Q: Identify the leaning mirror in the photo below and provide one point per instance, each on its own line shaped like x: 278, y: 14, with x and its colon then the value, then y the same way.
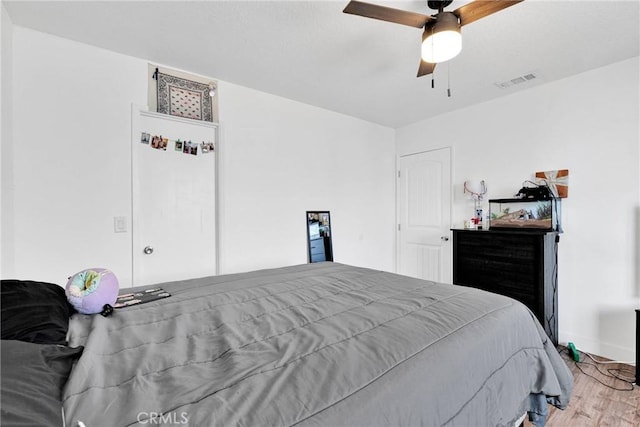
x: 319, y: 236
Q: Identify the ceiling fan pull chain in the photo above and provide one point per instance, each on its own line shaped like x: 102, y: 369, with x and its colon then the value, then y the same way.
x: 448, y: 81
x: 433, y: 83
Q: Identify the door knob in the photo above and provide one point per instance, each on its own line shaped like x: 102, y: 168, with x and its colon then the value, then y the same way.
x: 444, y: 238
x: 148, y: 250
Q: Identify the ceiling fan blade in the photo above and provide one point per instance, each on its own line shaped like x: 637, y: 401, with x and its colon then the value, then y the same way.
x: 473, y: 11
x: 388, y: 14
x: 425, y: 68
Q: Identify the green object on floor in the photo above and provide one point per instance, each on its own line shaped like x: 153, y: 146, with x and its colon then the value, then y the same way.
x: 573, y: 352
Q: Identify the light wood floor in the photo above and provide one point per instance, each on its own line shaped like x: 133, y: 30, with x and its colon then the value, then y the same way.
x: 594, y: 404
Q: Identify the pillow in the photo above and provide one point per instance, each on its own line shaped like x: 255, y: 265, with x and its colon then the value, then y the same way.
x: 36, y: 312
x: 33, y: 376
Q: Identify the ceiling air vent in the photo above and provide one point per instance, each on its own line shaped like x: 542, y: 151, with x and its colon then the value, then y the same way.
x: 516, y: 80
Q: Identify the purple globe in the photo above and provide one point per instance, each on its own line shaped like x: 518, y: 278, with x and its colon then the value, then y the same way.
x: 90, y: 290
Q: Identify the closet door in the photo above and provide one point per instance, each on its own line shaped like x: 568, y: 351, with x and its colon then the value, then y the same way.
x: 424, y: 215
x: 173, y: 199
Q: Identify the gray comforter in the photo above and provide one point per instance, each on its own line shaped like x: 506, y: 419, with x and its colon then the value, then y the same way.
x: 319, y: 344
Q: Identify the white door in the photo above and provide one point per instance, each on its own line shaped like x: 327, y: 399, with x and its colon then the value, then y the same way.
x: 424, y: 215
x: 173, y: 199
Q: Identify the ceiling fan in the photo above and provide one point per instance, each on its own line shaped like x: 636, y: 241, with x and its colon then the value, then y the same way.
x: 441, y: 39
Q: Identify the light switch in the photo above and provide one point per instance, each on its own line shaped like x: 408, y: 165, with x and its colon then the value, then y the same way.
x: 119, y: 224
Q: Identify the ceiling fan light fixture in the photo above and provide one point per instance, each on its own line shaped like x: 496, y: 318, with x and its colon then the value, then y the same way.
x: 443, y: 40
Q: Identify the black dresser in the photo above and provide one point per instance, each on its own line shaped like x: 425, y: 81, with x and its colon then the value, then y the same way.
x: 519, y: 264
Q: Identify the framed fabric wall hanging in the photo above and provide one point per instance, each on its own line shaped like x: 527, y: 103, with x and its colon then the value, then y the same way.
x: 183, y: 98
x: 183, y: 95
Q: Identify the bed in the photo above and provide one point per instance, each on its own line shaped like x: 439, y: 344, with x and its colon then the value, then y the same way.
x: 321, y: 344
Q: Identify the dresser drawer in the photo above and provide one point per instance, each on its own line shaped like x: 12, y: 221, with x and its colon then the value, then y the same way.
x: 499, y: 248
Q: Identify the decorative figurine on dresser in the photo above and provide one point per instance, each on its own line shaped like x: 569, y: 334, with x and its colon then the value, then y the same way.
x: 518, y: 255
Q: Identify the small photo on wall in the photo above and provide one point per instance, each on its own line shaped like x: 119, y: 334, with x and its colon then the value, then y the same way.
x: 207, y: 147
x: 156, y: 141
x: 159, y: 143
x: 190, y: 147
x: 145, y: 137
x: 178, y: 145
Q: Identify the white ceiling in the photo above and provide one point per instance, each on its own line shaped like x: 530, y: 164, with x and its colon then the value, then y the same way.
x: 311, y: 52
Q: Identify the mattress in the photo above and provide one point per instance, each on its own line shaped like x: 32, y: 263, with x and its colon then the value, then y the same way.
x: 321, y: 344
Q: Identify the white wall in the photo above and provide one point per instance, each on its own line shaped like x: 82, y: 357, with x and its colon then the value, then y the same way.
x: 71, y: 126
x: 281, y: 158
x: 71, y: 168
x: 6, y: 153
x: 589, y: 124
